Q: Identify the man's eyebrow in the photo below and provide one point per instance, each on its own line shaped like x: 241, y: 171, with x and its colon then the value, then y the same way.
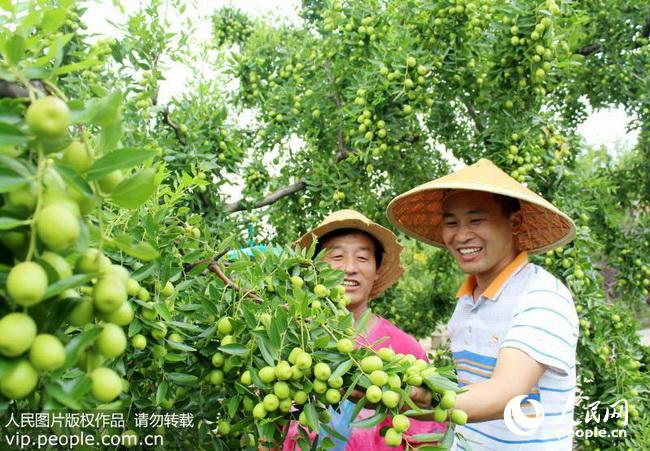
x: 338, y: 247
x: 468, y: 212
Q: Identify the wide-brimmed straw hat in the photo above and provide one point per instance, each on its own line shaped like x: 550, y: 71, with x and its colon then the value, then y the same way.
x: 390, y: 269
x: 418, y: 212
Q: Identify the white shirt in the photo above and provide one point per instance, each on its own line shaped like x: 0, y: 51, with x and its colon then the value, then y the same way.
x: 529, y: 309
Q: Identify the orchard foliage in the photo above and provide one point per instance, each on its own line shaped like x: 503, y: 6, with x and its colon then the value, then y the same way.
x: 380, y: 91
x: 356, y: 103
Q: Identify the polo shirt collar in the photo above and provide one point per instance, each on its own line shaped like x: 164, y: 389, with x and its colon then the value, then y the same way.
x: 492, y: 291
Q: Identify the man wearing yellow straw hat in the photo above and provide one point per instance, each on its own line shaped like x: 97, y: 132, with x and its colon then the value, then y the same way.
x: 369, y: 255
x: 514, y: 329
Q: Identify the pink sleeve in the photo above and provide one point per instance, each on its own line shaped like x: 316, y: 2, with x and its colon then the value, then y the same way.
x: 291, y: 440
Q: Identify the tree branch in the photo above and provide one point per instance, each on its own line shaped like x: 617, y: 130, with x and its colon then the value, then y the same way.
x: 17, y: 90
x: 589, y: 49
x: 594, y: 48
x: 213, y: 266
x: 343, y: 152
x: 174, y: 126
x: 477, y: 123
x: 268, y: 200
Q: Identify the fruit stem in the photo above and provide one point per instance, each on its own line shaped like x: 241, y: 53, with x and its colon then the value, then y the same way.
x: 100, y: 226
x: 25, y: 81
x: 55, y: 90
x: 40, y: 168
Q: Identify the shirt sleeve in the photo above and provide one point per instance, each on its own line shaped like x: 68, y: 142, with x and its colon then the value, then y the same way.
x: 546, y: 328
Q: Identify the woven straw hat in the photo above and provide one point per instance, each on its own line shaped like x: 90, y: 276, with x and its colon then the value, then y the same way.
x: 390, y: 270
x: 418, y: 212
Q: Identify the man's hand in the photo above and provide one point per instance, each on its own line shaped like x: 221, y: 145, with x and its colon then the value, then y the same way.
x: 421, y: 397
x: 356, y: 394
x: 515, y: 374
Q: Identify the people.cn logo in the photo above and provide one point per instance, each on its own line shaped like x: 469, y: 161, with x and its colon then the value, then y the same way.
x: 517, y: 421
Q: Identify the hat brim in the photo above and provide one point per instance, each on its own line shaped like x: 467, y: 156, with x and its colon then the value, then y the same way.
x: 418, y: 212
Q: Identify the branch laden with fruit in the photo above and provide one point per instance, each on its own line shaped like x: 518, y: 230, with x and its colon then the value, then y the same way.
x: 290, y: 354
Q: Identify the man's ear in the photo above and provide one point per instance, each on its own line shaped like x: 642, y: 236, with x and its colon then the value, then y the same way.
x: 516, y: 221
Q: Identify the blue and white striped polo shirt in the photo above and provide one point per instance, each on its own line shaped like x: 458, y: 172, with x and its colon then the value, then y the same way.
x: 526, y: 308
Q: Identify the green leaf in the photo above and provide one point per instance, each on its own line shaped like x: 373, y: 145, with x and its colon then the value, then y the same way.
x: 7, y: 5
x: 161, y: 309
x: 53, y: 19
x: 370, y: 421
x: 11, y: 223
x: 118, y: 159
x: 342, y: 369
x: 179, y: 346
x: 64, y: 284
x: 232, y: 406
x: 77, y: 67
x: 186, y: 326
x: 312, y: 417
x: 144, y: 272
x: 82, y: 113
x: 333, y: 433
x: 9, y: 180
x: 182, y: 378
x: 79, y: 344
x: 135, y: 190
x: 415, y: 413
x: 74, y: 179
x: 11, y: 136
x: 57, y: 313
x: 208, y: 332
x: 161, y: 392
x: 110, y: 136
x: 57, y: 393
x: 172, y: 357
x: 13, y: 165
x: 143, y: 251
x: 263, y: 345
x: 234, y: 349
x: 108, y: 109
x: 361, y: 325
x: 56, y: 144
x: 430, y: 437
x: 15, y: 48
x: 78, y: 387
x: 448, y: 439
x: 439, y: 384
x: 7, y: 365
x: 433, y: 448
x: 274, y: 333
x: 358, y: 407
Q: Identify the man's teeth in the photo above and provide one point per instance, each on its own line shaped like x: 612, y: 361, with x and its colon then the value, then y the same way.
x: 470, y: 250
x: 350, y: 283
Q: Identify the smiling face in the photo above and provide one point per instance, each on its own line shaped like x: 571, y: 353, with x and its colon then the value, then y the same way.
x: 354, y: 254
x: 478, y: 234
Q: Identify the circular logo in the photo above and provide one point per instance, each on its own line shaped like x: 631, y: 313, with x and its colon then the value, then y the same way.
x: 517, y: 421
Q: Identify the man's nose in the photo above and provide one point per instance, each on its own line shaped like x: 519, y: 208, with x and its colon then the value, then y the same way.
x: 464, y: 233
x: 349, y: 265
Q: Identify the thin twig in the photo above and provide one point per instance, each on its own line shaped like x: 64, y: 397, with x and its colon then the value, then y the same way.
x: 174, y: 126
x: 215, y: 268
x: 343, y: 151
x: 268, y: 200
x: 17, y: 90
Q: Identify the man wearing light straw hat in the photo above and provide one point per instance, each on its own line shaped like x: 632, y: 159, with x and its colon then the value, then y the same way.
x: 369, y: 255
x: 514, y: 329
